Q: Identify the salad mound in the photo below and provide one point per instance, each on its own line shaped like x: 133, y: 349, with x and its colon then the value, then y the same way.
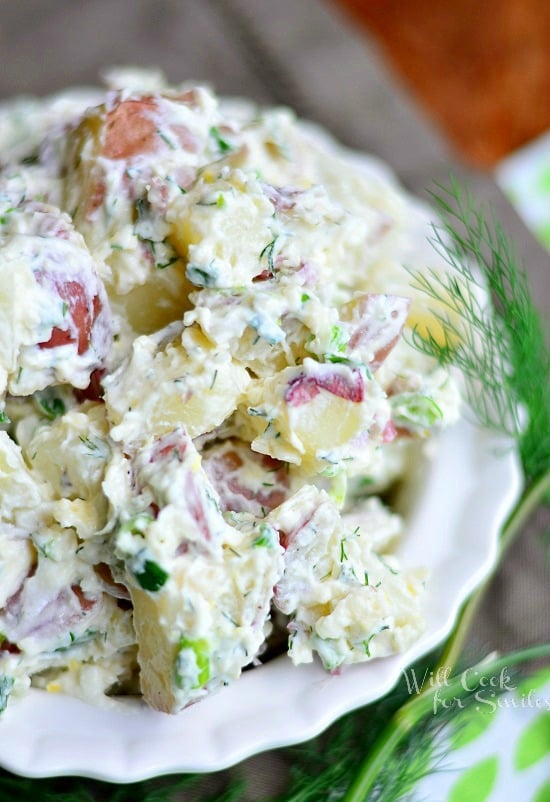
x: 206, y: 388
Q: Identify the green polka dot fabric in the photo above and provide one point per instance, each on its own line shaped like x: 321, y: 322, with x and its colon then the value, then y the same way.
x: 525, y: 179
x: 499, y: 749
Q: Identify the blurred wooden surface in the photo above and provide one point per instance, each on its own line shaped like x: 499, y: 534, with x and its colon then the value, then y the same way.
x: 481, y: 69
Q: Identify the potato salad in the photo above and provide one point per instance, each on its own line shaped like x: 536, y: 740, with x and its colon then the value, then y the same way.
x: 207, y: 394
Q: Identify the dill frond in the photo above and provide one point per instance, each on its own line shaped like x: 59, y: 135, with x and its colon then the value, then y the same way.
x: 492, y: 330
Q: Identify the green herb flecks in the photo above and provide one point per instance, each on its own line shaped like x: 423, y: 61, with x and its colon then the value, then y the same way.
x: 338, y: 339
x: 343, y: 554
x: 386, y: 564
x: 137, y: 525
x: 267, y: 536
x: 415, y: 411
x: 367, y: 642
x: 267, y: 252
x: 166, y: 139
x: 52, y: 408
x: 94, y: 448
x: 202, y: 276
x: 6, y: 685
x: 221, y: 143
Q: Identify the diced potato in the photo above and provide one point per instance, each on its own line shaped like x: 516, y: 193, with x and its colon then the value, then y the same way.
x: 18, y: 488
x: 176, y: 551
x: 222, y: 228
x: 159, y: 388
x: 315, y: 415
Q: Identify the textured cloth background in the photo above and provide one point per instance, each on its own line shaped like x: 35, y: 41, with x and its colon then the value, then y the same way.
x: 309, y: 55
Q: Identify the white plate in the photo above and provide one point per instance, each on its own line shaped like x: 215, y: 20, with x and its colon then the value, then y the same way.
x: 463, y: 497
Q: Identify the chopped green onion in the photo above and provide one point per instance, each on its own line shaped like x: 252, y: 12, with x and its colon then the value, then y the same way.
x: 200, y: 649
x: 152, y: 577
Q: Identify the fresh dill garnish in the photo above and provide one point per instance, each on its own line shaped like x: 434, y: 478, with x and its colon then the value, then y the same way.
x: 487, y: 324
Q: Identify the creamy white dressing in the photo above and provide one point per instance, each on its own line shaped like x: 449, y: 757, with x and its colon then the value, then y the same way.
x: 205, y: 381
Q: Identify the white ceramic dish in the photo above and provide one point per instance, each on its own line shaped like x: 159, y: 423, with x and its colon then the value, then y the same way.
x: 463, y: 497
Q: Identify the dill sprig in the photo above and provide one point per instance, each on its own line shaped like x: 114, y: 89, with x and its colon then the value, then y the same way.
x: 324, y: 767
x: 387, y: 775
x: 488, y: 325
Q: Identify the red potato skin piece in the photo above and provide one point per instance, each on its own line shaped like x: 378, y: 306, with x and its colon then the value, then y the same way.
x: 85, y: 604
x: 94, y: 391
x: 10, y: 648
x: 175, y: 444
x: 130, y: 129
x: 172, y: 443
x: 74, y: 294
x: 222, y: 470
x: 386, y: 333
x: 303, y: 388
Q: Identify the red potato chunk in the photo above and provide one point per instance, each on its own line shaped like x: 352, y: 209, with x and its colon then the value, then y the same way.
x: 131, y: 129
x: 143, y: 126
x: 303, y: 388
x: 79, y: 313
x: 245, y: 480
x: 375, y: 322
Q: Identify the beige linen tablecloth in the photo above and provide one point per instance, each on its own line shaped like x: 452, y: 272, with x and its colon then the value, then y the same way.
x: 306, y: 54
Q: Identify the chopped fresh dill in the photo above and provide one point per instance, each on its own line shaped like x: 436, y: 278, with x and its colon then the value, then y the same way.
x: 230, y: 619
x: 268, y: 253
x: 386, y: 564
x: 221, y: 143
x: 52, y: 408
x: 343, y: 554
x: 166, y: 139
x: 171, y: 261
